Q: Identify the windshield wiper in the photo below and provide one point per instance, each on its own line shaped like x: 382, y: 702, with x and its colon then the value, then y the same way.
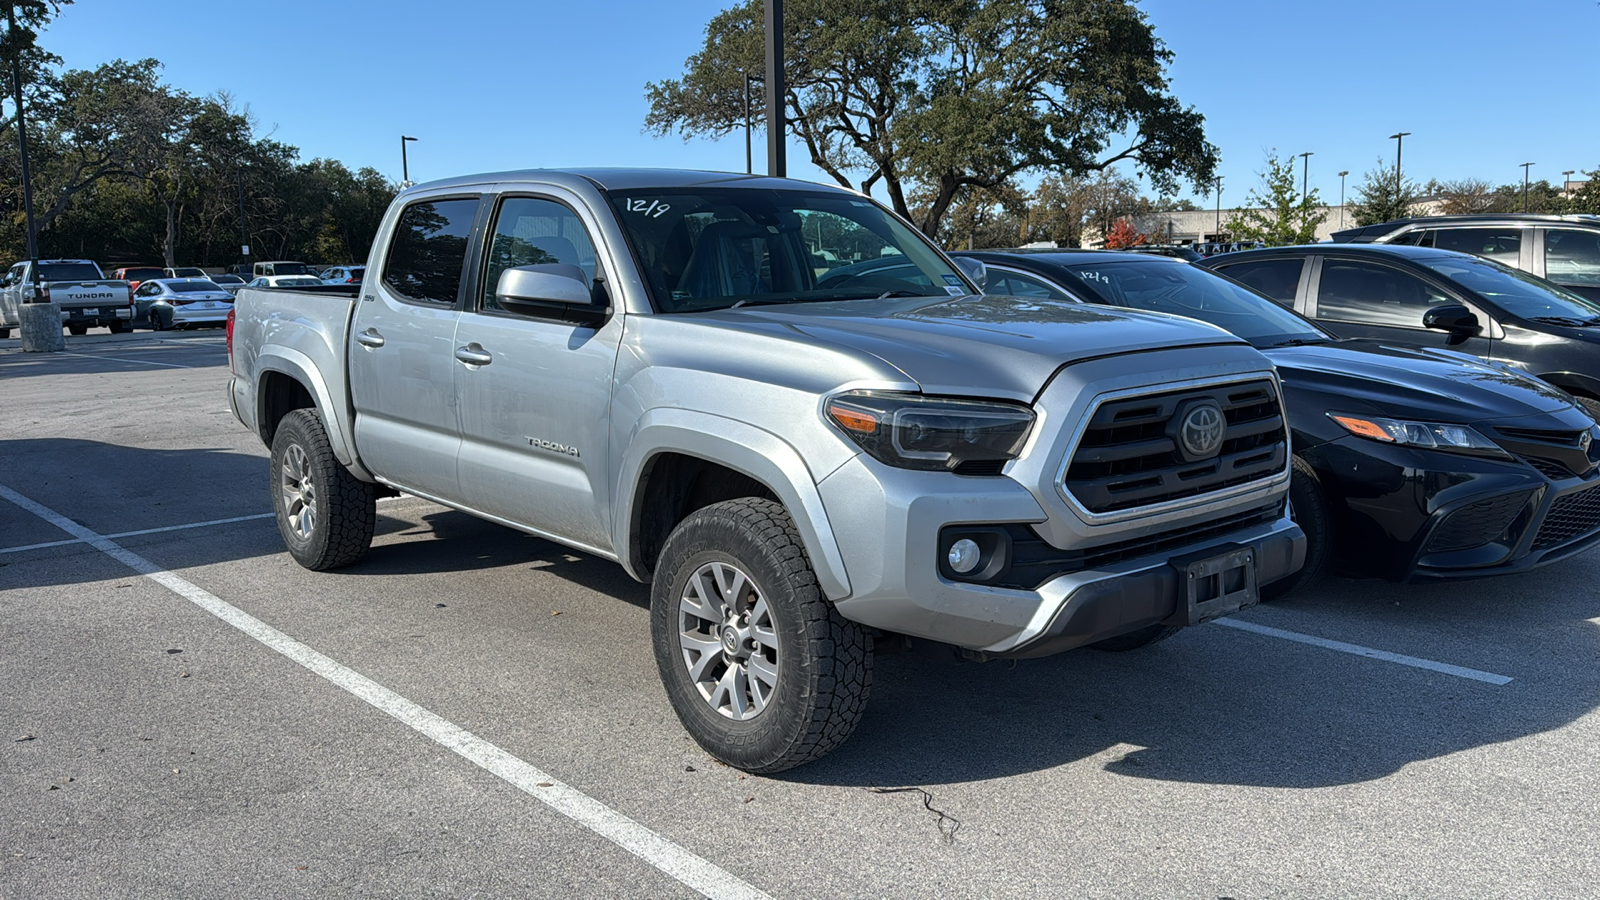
x: 1300, y: 342
x: 1568, y: 321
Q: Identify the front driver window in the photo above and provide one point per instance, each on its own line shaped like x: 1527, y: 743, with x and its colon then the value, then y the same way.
x: 1374, y: 295
x: 529, y: 231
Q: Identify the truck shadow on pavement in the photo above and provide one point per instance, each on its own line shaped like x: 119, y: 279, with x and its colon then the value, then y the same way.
x: 1215, y: 705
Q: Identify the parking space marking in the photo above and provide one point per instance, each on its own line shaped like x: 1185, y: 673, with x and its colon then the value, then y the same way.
x: 1358, y: 650
x: 137, y: 362
x: 675, y: 861
x: 123, y: 534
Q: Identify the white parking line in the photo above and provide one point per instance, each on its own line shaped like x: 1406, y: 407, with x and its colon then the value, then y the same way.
x: 138, y: 362
x: 1358, y: 650
x: 124, y: 534
x: 689, y: 869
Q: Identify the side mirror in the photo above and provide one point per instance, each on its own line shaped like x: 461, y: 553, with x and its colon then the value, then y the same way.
x: 1453, y: 318
x: 975, y: 270
x: 549, y: 291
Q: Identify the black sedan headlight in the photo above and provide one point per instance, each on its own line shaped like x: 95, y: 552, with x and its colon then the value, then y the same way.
x: 911, y: 431
x: 1426, y: 435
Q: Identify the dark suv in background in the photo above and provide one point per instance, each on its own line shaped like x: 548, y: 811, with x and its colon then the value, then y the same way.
x: 1562, y: 249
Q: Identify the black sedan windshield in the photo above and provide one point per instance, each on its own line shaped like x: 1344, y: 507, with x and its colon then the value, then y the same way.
x: 1517, y: 292
x: 1185, y: 290
x: 716, y: 248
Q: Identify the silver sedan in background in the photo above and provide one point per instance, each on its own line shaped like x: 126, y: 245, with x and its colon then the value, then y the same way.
x: 181, y: 303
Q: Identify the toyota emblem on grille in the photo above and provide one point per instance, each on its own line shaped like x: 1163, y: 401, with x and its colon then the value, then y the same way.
x: 1201, y: 432
x: 1584, y: 440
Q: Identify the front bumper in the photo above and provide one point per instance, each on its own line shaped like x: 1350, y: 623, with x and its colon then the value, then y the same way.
x: 888, y: 523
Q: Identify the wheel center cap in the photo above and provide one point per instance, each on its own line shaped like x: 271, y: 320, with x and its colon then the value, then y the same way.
x: 730, y: 640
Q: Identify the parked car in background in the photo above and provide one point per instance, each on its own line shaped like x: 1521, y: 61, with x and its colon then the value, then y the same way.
x: 165, y: 303
x: 229, y: 283
x: 1176, y: 251
x: 1437, y: 298
x: 184, y: 272
x: 343, y: 274
x: 1409, y: 464
x: 1562, y: 249
x: 134, y: 275
x: 265, y: 281
x: 282, y: 267
x: 1213, y: 248
x: 87, y: 298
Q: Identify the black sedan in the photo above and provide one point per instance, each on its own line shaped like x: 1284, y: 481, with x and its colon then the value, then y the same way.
x: 1429, y: 297
x: 1409, y: 464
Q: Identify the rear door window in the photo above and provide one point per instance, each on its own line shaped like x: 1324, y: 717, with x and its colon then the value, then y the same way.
x: 1501, y: 244
x: 429, y: 250
x: 1572, y: 256
x: 1374, y: 295
x: 1277, y: 278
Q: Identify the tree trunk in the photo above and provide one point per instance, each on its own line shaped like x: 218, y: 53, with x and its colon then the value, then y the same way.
x: 169, y: 243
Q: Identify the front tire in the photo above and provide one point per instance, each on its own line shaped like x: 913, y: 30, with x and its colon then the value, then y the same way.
x: 155, y: 320
x: 760, y: 668
x: 1308, y: 507
x: 325, y: 514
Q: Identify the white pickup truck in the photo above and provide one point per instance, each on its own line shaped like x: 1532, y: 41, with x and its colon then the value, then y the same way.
x: 87, y: 298
x: 795, y: 448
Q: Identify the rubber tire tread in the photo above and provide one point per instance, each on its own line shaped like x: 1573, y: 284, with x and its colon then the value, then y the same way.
x: 1309, y: 507
x: 834, y: 682
x: 347, y: 510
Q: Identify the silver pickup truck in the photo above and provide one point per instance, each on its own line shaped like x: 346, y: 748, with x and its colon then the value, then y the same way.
x: 709, y: 379
x: 87, y: 298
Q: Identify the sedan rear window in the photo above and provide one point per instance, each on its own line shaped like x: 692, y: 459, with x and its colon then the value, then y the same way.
x: 69, y: 272
x: 192, y: 287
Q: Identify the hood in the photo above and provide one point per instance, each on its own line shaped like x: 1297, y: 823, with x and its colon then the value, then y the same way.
x: 1411, y: 383
x: 977, y: 344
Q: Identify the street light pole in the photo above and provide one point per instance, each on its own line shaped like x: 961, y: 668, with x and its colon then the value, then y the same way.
x: 1219, y: 208
x: 1399, y: 143
x: 1341, y: 198
x: 1305, y: 183
x: 405, y: 168
x: 244, y: 234
x: 1566, y: 178
x: 777, y: 163
x: 22, y: 140
x: 1525, y: 168
x: 749, y: 163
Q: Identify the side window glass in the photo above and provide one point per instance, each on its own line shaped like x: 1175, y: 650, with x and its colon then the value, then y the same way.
x: 1410, y: 238
x: 1499, y: 244
x: 1572, y: 256
x: 1018, y: 285
x: 1277, y: 278
x: 1374, y: 295
x: 429, y: 249
x: 530, y: 232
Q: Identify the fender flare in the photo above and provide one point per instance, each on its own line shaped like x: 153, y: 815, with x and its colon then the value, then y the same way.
x: 298, y: 366
x: 742, y: 447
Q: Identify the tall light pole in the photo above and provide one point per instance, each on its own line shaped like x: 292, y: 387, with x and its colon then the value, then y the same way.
x: 1341, y: 198
x: 405, y: 168
x: 1219, y: 208
x: 1305, y: 175
x: 777, y: 163
x: 22, y: 142
x: 748, y: 161
x: 1525, y: 168
x: 1566, y: 178
x: 1399, y: 142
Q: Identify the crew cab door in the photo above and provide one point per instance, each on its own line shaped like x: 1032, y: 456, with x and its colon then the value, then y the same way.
x: 535, y: 393
x: 401, y: 352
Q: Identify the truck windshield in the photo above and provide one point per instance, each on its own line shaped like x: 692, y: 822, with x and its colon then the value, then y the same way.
x: 69, y: 272
x: 1185, y: 290
x: 715, y: 248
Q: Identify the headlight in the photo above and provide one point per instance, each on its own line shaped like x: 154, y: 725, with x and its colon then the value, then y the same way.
x: 1428, y: 435
x: 915, y: 432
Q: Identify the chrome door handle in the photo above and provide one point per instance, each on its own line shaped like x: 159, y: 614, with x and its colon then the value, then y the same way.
x: 369, y: 338
x: 474, y: 355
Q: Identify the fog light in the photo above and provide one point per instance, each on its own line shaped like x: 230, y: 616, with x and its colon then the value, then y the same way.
x: 964, y: 556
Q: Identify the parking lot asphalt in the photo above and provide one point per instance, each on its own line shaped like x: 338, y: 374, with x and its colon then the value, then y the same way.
x: 475, y: 712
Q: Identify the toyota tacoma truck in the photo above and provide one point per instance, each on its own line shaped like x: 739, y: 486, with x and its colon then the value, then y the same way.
x: 712, y: 380
x: 87, y: 298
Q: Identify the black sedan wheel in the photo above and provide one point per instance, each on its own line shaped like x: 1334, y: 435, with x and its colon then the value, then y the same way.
x: 1308, y: 507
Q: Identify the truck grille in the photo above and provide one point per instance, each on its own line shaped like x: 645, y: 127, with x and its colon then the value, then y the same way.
x: 1571, y: 516
x: 1129, y: 454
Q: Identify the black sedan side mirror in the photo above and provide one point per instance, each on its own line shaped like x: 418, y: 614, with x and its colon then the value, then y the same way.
x: 1453, y: 318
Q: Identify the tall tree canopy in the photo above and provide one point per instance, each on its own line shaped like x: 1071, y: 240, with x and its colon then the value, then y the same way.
x: 950, y: 94
x: 1380, y: 197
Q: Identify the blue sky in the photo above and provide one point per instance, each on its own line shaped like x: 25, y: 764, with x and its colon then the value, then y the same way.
x: 495, y: 84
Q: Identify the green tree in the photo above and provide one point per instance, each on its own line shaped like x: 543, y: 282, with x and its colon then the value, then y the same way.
x: 950, y: 94
x: 1586, y: 199
x: 1380, y: 198
x: 1463, y: 196
x: 1276, y: 212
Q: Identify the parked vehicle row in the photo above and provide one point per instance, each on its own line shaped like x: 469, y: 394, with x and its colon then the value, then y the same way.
x: 86, y: 297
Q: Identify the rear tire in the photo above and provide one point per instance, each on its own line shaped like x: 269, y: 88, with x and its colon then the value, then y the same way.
x: 5, y: 333
x: 325, y: 514
x: 79, y: 330
x: 1308, y: 507
x: 760, y: 668
x: 155, y: 320
x: 117, y: 327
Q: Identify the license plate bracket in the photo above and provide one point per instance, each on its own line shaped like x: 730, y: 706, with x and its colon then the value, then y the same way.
x: 1215, y: 584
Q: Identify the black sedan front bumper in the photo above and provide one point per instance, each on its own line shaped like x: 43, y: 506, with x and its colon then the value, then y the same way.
x: 1408, y: 514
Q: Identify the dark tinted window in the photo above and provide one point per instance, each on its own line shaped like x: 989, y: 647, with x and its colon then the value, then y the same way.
x: 1016, y: 284
x: 191, y: 287
x: 1572, y: 256
x: 530, y: 232
x: 1374, y: 295
x: 70, y: 272
x: 1499, y: 244
x: 1277, y: 278
x: 429, y: 249
x: 1514, y: 290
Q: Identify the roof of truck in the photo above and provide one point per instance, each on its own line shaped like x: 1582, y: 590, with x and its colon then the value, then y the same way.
x: 629, y: 179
